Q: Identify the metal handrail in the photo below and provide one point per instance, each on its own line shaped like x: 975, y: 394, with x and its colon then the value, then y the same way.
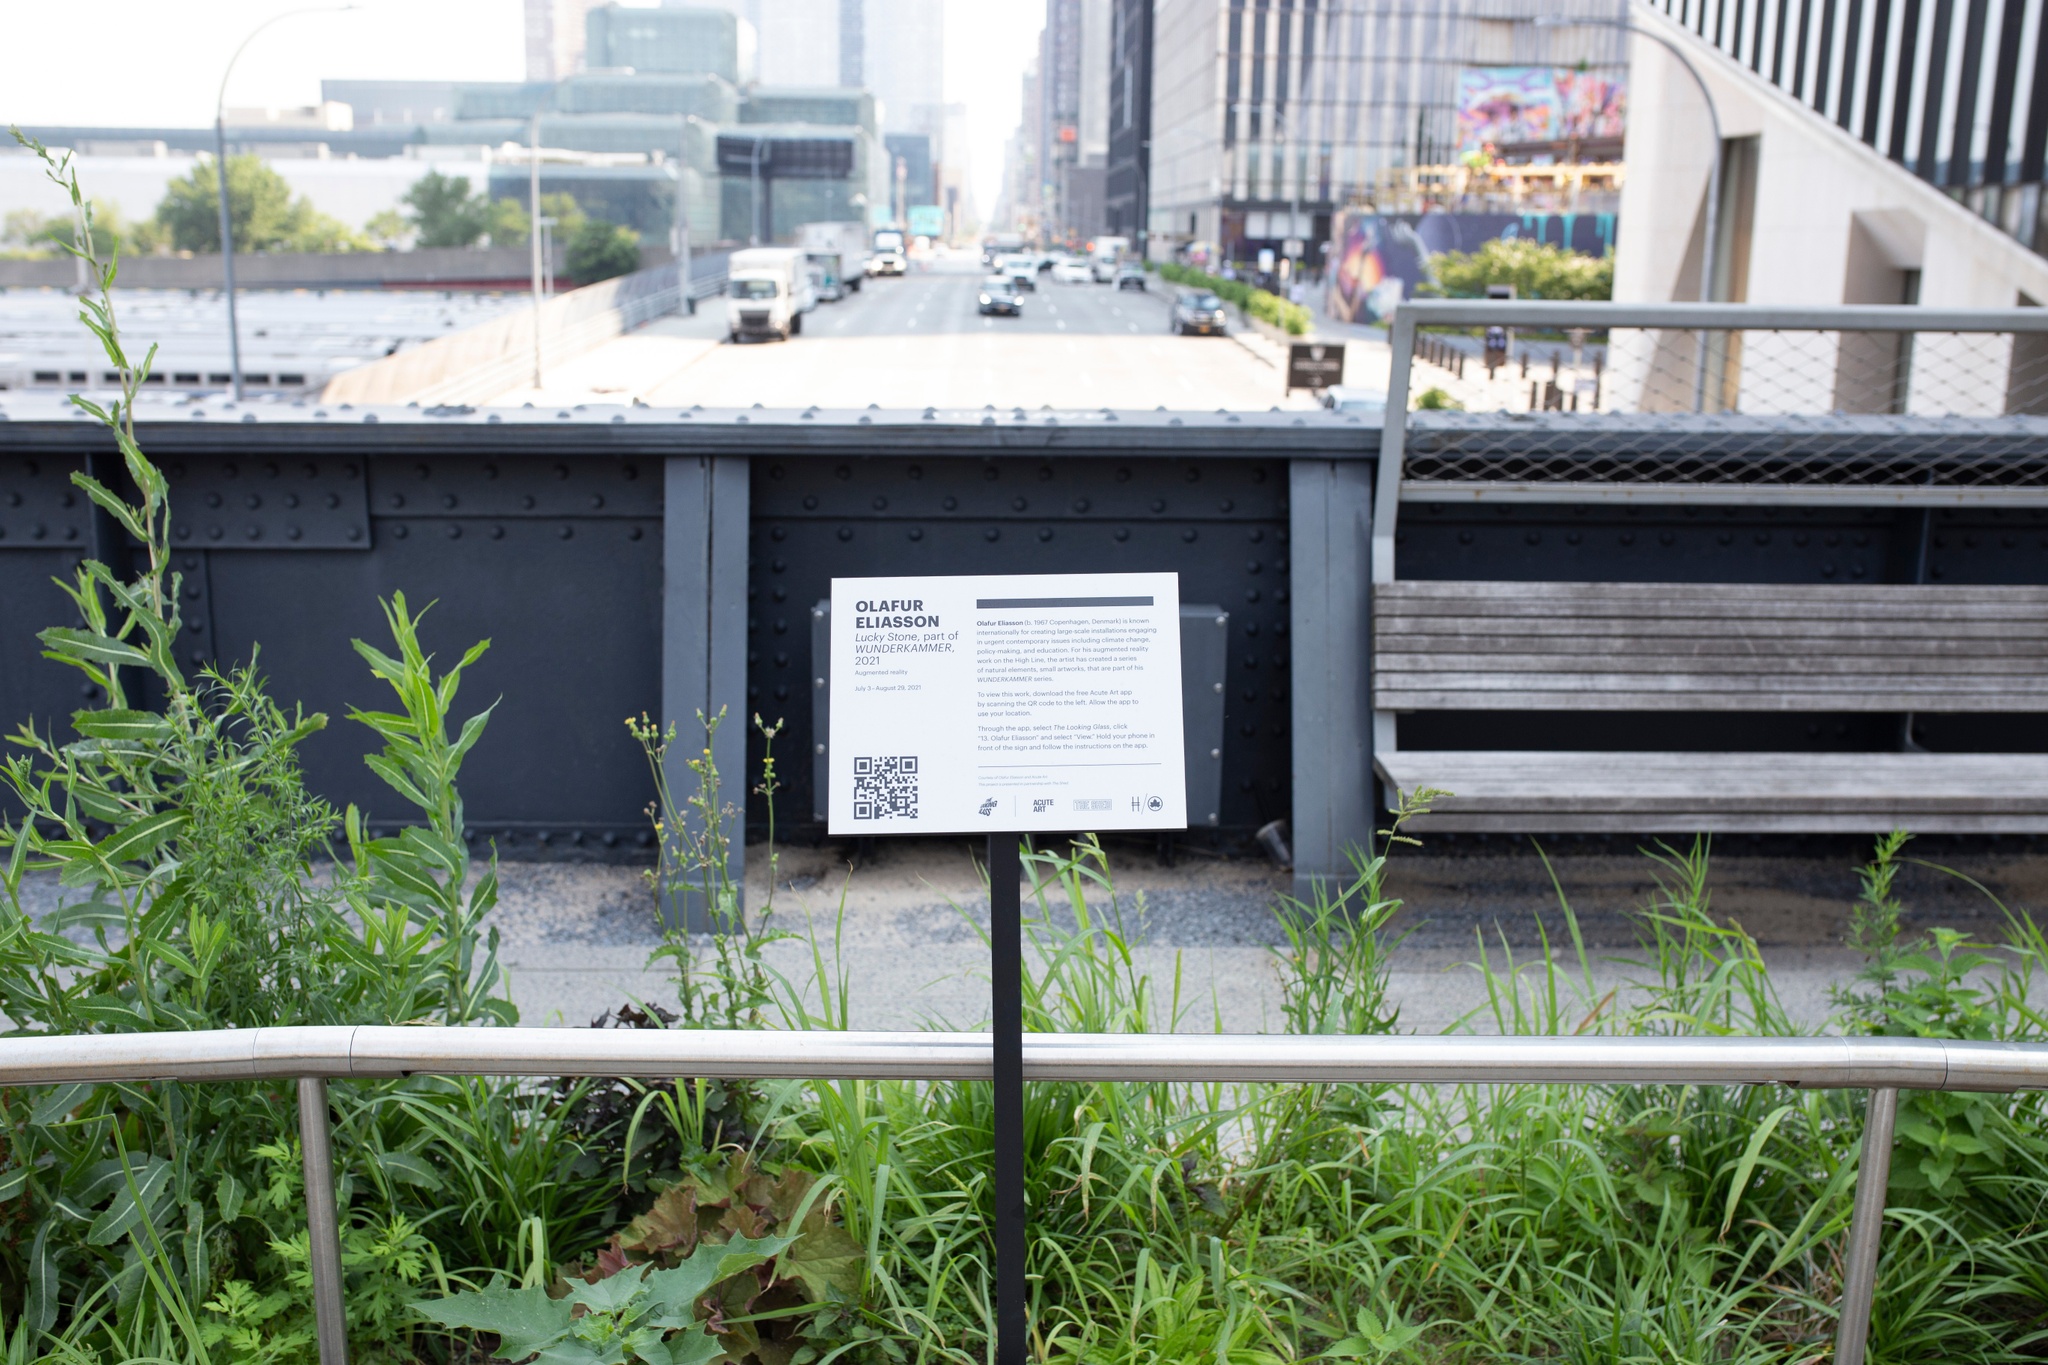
x: 312, y: 1056
x: 1541, y: 314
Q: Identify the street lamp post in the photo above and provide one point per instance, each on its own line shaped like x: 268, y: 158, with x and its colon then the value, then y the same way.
x: 1710, y: 248
x: 754, y: 238
x: 533, y: 235
x: 220, y: 175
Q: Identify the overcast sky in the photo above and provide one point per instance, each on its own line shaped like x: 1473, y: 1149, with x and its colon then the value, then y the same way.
x: 127, y: 62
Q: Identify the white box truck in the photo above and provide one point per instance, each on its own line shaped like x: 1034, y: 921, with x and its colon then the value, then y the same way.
x: 1107, y: 254
x: 765, y: 292
x: 849, y: 240
x: 889, y: 257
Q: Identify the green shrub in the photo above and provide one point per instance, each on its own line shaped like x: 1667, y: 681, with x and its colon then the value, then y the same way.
x: 1538, y: 270
x: 1267, y: 307
x: 600, y: 251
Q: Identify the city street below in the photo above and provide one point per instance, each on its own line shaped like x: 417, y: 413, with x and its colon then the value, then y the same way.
x: 921, y: 341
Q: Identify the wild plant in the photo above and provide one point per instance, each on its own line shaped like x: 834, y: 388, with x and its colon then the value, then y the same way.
x: 694, y: 877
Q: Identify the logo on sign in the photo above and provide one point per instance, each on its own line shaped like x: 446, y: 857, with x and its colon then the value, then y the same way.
x: 988, y: 807
x: 1040, y: 804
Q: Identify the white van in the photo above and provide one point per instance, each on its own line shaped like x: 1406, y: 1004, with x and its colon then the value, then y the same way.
x: 765, y: 292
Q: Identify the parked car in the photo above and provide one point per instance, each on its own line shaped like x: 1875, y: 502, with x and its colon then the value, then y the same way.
x: 1130, y: 277
x: 1352, y: 398
x: 1071, y: 272
x: 1197, y: 310
x: 999, y: 297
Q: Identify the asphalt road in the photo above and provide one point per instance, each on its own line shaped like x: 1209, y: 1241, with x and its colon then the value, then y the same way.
x: 947, y: 303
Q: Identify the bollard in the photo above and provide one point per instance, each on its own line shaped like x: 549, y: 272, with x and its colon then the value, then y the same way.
x: 1866, y: 1229
x: 322, y: 1221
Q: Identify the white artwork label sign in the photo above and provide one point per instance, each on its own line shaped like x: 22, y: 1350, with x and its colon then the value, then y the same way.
x: 1018, y: 702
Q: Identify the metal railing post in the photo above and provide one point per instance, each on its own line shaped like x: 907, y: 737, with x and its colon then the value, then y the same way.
x: 1866, y: 1228
x: 1386, y: 502
x: 322, y: 1221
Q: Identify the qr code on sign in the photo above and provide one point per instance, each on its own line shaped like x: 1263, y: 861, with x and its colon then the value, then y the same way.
x: 885, y: 788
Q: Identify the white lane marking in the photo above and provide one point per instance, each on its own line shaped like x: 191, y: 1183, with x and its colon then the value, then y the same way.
x: 1134, y: 327
x: 1061, y: 325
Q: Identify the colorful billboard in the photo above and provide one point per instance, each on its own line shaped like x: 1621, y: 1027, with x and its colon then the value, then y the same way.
x: 927, y: 220
x: 1507, y: 106
x: 1383, y: 258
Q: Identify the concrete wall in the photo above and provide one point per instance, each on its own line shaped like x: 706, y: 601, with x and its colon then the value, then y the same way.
x: 1830, y: 213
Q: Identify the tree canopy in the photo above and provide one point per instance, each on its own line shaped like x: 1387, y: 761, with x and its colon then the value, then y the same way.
x: 263, y: 214
x: 599, y: 250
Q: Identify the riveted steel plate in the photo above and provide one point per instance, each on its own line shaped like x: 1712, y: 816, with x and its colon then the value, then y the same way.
x: 268, y: 502
x: 1220, y: 523
x: 516, y: 486
x: 40, y: 508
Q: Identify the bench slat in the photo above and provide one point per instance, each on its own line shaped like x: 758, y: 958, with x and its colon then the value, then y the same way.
x: 1517, y: 789
x: 1402, y: 701
x: 1916, y: 634
x: 1766, y: 670
x: 1867, y: 594
x: 1711, y: 647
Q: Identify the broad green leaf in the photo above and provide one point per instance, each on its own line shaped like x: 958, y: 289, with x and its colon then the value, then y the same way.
x: 116, y: 506
x: 85, y: 915
x: 404, y: 872
x: 433, y: 850
x: 56, y: 1106
x: 408, y: 1169
x: 397, y: 779
x: 140, y: 837
x: 126, y: 725
x: 693, y: 1347
x: 827, y: 1262
x: 230, y: 1196
x: 525, y: 1320
x: 677, y: 1290
x: 112, y: 1012
x: 82, y: 644
x: 131, y: 1205
x: 40, y: 1309
x: 11, y: 1182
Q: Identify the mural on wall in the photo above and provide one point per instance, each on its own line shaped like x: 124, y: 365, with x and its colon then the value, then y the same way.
x: 1507, y: 106
x: 1383, y: 258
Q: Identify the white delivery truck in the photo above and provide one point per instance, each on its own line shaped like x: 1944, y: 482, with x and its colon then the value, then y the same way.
x: 889, y: 257
x: 849, y: 240
x: 765, y: 292
x: 1106, y: 255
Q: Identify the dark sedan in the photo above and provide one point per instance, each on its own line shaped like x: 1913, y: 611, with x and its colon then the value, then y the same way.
x: 1197, y: 311
x: 999, y: 295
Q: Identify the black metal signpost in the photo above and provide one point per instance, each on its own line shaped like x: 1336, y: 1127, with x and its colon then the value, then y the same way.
x: 1006, y: 996
x: 1031, y: 702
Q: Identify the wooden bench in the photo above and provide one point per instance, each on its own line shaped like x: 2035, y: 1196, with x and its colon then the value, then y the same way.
x: 1693, y: 647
